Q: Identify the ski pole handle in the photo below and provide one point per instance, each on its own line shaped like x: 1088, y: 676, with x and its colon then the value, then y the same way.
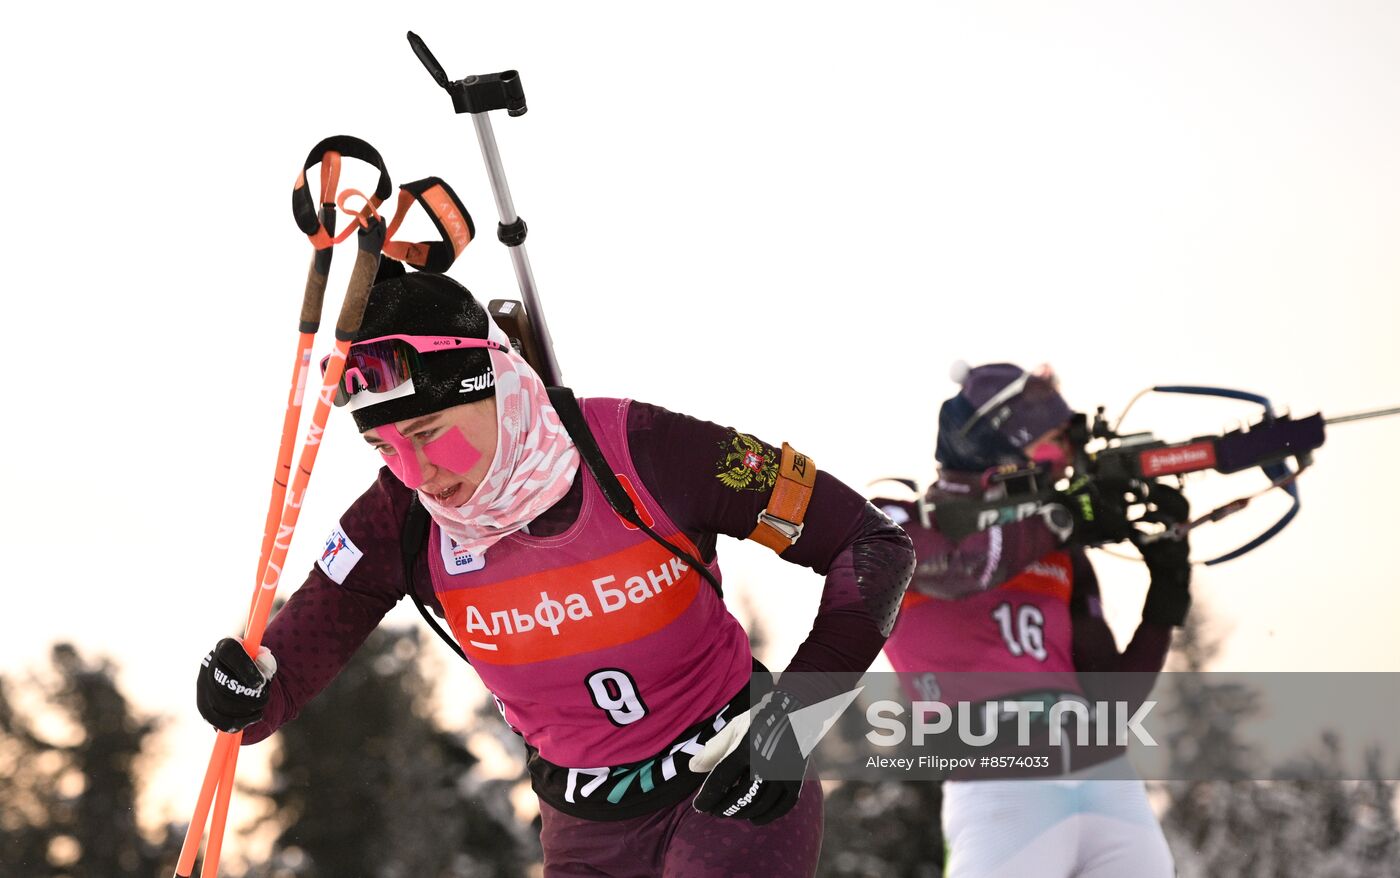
x: 319, y: 272
x: 352, y: 310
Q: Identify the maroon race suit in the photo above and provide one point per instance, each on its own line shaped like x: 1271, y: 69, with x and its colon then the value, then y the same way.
x: 987, y: 588
x: 707, y: 480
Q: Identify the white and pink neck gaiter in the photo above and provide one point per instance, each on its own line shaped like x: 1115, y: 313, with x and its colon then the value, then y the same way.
x: 534, y: 465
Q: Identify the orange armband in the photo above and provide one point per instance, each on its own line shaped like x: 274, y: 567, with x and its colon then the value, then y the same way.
x: 780, y: 524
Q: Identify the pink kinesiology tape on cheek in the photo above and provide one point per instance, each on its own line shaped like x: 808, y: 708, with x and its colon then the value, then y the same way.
x: 452, y: 452
x: 404, y: 461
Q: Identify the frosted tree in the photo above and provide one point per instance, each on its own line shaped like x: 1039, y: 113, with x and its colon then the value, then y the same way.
x: 1300, y: 824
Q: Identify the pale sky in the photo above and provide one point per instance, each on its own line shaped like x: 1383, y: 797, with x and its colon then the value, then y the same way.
x: 790, y: 218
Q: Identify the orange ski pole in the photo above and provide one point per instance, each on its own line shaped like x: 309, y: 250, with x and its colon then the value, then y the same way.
x: 366, y: 265
x: 311, y: 306
x: 312, y: 300
x: 278, y: 529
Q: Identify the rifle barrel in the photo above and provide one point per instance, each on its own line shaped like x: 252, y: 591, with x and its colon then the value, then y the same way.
x: 1363, y: 416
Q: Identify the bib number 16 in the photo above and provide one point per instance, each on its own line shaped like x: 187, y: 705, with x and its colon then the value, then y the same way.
x: 1023, y: 631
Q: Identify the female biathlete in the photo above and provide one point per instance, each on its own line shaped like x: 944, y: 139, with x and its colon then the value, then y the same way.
x: 614, y: 659
x: 1021, y: 598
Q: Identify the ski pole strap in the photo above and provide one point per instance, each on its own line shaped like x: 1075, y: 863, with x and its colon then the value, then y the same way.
x: 448, y: 214
x: 571, y: 416
x: 412, y: 537
x: 780, y: 524
x: 304, y: 209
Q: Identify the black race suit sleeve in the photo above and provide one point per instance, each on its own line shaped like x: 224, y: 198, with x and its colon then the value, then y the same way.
x: 321, y: 625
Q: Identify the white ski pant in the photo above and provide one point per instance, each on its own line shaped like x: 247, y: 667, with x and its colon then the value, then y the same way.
x: 1069, y: 827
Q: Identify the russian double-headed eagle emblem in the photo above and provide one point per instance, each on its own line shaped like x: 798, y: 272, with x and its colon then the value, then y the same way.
x: 747, y: 464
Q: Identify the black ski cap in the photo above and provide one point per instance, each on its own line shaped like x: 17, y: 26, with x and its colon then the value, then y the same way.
x: 425, y: 303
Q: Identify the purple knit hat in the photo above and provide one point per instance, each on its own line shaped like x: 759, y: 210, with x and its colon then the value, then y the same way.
x: 1000, y: 409
x: 1019, y: 405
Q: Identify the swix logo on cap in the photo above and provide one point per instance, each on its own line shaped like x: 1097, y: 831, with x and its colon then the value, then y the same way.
x: 456, y: 559
x: 339, y: 556
x: 480, y: 382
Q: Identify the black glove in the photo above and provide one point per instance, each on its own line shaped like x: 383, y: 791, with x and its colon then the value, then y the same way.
x: 1168, y: 558
x: 736, y: 789
x: 231, y: 690
x: 1098, y: 517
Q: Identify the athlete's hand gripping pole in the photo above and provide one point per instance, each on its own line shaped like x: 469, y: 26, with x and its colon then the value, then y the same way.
x: 319, y: 226
x: 479, y: 95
